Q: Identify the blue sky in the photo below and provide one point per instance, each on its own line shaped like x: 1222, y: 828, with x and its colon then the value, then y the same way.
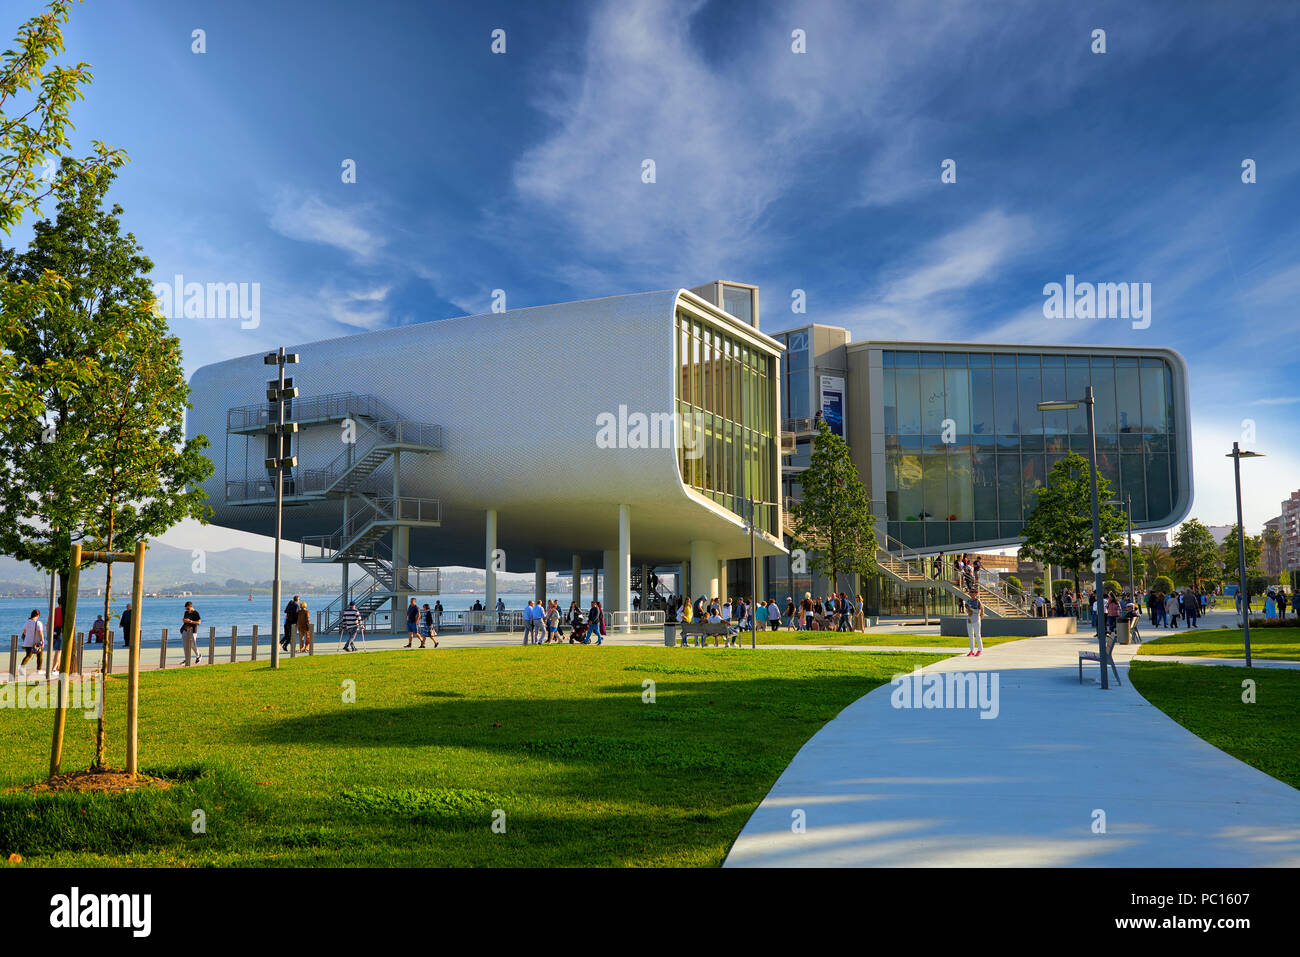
x: 817, y: 171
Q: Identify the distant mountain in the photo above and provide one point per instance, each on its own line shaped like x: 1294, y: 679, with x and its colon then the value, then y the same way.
x: 168, y: 567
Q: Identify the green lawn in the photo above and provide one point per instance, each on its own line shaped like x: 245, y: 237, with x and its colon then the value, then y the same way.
x: 412, y: 772
x: 1207, y: 701
x: 1276, y: 643
x: 889, y: 638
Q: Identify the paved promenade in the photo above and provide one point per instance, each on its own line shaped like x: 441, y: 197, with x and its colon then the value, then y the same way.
x: 892, y: 787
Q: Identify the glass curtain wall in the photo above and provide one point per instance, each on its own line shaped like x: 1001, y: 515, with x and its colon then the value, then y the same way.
x: 965, y: 445
x: 724, y: 396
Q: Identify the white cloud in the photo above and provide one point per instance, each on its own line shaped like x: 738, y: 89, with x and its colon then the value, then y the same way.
x: 311, y: 219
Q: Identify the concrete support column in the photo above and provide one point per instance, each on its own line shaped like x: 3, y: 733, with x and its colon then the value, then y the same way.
x: 539, y: 581
x: 577, y: 579
x: 704, y: 570
x: 401, y: 558
x: 722, y: 581
x: 623, y: 583
x: 489, y: 561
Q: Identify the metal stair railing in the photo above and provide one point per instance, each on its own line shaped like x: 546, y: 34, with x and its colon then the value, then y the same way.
x: 331, y: 406
x: 365, y: 457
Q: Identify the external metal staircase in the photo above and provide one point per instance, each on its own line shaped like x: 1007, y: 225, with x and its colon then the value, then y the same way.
x: 905, y: 567
x: 372, y: 435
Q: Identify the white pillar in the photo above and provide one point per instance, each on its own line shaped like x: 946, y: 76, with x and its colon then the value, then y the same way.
x: 539, y: 581
x: 577, y: 579
x: 623, y: 584
x: 704, y: 570
x: 722, y: 581
x: 490, y: 560
x: 610, y: 573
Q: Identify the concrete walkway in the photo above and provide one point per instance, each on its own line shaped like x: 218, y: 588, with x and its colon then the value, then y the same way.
x: 943, y: 787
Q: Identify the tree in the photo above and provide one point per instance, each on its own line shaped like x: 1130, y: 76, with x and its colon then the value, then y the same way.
x: 1272, y: 540
x: 110, y: 463
x: 833, y: 520
x: 32, y: 140
x: 1163, y: 584
x: 1156, y: 558
x: 1231, y: 558
x: 1059, y: 529
x: 1194, y: 553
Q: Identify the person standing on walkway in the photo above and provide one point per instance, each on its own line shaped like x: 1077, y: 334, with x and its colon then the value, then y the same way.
x: 846, y: 611
x: 552, y: 622
x: 1191, y: 609
x: 290, y: 623
x: 437, y: 615
x: 189, y: 631
x: 304, y: 628
x: 125, y: 621
x: 350, y: 624
x: 974, y: 621
x: 528, y: 622
x: 33, y: 639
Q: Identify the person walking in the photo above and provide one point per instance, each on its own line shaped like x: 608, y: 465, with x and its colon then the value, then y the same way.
x: 1171, y: 610
x: 33, y: 640
x: 1191, y: 609
x: 412, y: 623
x: 528, y: 622
x: 304, y: 628
x: 429, y: 630
x: 290, y: 623
x: 1112, y: 613
x: 189, y: 632
x: 974, y: 622
x: 595, y: 623
x: 845, y: 608
x: 350, y: 624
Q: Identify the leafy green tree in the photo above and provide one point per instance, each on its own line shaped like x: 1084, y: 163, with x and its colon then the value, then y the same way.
x: 1231, y: 558
x: 1014, y: 582
x: 1110, y: 585
x: 1163, y: 583
x: 1195, y: 554
x: 33, y: 139
x: 833, y: 520
x: 1059, y: 529
x: 110, y: 463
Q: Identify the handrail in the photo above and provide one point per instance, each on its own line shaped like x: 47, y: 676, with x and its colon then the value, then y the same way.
x: 330, y: 405
x: 380, y: 433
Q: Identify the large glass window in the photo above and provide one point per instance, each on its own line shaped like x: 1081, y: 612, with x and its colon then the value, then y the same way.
x: 726, y: 386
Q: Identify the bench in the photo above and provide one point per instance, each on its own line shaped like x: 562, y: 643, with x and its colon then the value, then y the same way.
x: 1092, y: 656
x: 704, y: 629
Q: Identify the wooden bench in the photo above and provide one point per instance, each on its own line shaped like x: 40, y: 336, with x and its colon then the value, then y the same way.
x: 704, y: 629
x: 1092, y: 656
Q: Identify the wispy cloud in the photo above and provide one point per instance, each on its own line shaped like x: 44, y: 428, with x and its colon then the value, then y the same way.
x: 308, y: 218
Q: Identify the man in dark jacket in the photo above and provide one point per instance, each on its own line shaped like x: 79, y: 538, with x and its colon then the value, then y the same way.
x: 126, y: 626
x: 290, y: 623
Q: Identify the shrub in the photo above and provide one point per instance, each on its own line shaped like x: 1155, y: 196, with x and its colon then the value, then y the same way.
x: 1110, y: 585
x: 1014, y: 582
x: 1163, y: 583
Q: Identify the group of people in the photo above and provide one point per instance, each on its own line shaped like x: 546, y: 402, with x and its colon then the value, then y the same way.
x: 297, y: 624
x: 545, y: 625
x: 965, y: 571
x: 1275, y: 600
x: 1164, y: 610
x: 33, y: 636
x: 834, y: 612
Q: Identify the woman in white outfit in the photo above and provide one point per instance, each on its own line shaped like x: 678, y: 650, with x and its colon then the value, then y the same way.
x: 974, y: 614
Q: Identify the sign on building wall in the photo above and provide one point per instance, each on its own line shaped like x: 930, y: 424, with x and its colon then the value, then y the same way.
x: 832, y: 404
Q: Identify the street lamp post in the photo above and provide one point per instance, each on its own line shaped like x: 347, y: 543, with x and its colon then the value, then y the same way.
x: 1237, y: 454
x: 1127, y: 503
x: 279, y: 390
x: 1057, y: 405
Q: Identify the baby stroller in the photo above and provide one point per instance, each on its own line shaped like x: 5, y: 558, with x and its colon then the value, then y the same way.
x: 579, y: 634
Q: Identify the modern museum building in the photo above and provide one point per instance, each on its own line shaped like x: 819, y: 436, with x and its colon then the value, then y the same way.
x: 645, y: 436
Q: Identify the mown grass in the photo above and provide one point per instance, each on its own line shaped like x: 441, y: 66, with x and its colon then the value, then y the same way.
x: 414, y: 772
x: 902, y: 639
x: 1278, y: 644
x: 1207, y: 700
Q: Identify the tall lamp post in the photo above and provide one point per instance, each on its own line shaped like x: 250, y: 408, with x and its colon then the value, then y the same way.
x: 279, y: 391
x: 1127, y: 503
x: 1237, y: 454
x: 1060, y: 405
